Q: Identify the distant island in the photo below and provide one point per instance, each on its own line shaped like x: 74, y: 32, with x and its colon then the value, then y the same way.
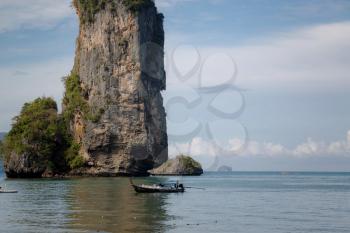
x: 113, y: 121
x: 2, y: 135
x: 225, y: 168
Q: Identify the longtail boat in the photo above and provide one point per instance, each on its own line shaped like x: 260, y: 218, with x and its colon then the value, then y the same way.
x: 7, y: 191
x: 178, y: 188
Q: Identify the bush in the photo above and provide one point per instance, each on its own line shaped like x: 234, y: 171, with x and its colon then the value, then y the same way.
x: 74, y: 101
x: 189, y: 162
x: 72, y: 157
x: 89, y: 8
x: 35, y: 131
x: 43, y: 135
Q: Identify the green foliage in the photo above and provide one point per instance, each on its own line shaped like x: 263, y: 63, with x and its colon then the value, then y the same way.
x: 189, y: 162
x: 74, y: 102
x: 73, y: 99
x: 42, y: 134
x: 70, y: 149
x: 89, y: 8
x: 72, y: 157
x: 34, y: 131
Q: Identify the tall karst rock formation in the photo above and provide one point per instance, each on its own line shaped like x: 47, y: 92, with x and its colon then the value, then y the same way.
x: 119, y: 64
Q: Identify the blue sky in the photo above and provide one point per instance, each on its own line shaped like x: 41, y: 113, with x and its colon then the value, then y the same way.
x: 284, y: 66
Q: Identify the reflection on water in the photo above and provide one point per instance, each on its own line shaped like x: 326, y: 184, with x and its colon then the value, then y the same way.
x: 231, y: 202
x: 38, y: 207
x: 111, y: 205
x: 80, y: 205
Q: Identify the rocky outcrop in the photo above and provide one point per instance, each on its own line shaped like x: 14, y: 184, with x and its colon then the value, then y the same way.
x: 31, y: 148
x: 181, y: 165
x: 120, y: 64
x: 24, y: 165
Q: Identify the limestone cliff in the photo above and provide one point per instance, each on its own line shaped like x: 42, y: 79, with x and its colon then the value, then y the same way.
x: 120, y: 122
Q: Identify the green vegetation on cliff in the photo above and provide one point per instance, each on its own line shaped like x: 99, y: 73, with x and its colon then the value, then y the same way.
x: 72, y: 157
x: 89, y: 8
x: 189, y: 162
x: 181, y: 165
x: 42, y: 137
x: 74, y: 101
x: 35, y: 131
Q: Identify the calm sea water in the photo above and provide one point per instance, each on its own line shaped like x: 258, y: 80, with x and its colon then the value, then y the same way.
x: 232, y: 202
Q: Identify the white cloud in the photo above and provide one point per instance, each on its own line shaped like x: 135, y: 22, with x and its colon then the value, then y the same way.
x: 200, y: 147
x: 42, y: 14
x: 312, y: 57
x: 23, y: 83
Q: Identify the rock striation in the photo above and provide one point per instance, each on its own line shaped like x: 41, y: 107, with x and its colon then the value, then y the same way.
x: 120, y: 65
x: 181, y: 165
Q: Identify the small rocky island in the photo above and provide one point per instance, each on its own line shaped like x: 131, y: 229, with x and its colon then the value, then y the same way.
x: 225, y: 168
x: 113, y: 122
x: 181, y: 165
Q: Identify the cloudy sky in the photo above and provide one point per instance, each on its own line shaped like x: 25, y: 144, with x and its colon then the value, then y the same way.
x: 257, y: 85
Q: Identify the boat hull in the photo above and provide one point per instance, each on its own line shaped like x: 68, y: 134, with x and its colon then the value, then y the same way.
x: 8, y: 191
x: 140, y: 189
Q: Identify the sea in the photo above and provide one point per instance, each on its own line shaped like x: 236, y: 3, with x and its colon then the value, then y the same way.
x: 246, y: 202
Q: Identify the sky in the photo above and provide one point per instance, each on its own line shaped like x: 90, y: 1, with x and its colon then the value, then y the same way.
x: 253, y: 84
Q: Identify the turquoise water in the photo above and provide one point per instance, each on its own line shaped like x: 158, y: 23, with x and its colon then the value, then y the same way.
x: 232, y: 202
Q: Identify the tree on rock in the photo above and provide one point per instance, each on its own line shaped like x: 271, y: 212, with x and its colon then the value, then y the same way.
x: 182, y: 165
x: 31, y: 145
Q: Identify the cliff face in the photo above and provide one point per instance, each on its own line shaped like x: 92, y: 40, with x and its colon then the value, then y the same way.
x: 120, y: 65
